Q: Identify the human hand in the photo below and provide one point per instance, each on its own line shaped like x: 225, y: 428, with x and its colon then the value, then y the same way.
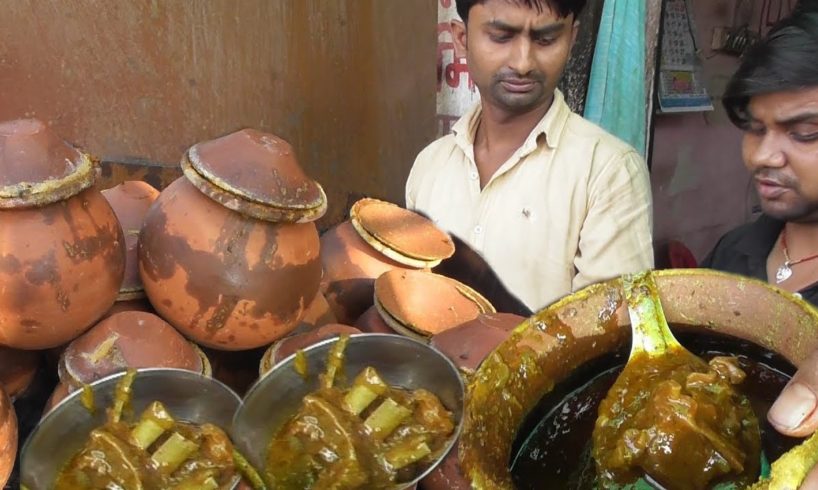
x: 795, y: 411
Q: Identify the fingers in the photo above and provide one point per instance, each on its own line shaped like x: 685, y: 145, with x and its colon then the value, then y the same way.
x: 794, y: 411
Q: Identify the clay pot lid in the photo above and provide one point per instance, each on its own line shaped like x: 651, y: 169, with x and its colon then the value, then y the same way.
x: 400, y: 234
x: 129, y: 339
x: 37, y: 167
x: 17, y: 370
x: 419, y: 304
x: 255, y: 174
x: 289, y: 345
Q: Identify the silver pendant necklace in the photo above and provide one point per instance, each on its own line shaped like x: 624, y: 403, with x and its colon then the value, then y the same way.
x: 783, y: 273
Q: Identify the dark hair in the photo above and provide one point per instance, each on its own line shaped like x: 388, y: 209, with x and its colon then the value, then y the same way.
x: 787, y: 59
x: 562, y: 7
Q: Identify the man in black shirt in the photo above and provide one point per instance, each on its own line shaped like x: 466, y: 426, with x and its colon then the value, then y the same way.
x: 773, y: 98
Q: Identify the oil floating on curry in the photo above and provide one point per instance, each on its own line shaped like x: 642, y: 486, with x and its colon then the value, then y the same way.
x: 370, y: 435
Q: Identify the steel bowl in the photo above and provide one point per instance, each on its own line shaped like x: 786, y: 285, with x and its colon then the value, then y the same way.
x: 61, y: 434
x: 400, y: 361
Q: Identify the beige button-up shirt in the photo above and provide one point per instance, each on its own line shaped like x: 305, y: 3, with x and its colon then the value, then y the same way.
x: 571, y: 206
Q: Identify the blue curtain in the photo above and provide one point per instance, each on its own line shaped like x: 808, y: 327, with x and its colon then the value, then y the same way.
x: 616, y: 90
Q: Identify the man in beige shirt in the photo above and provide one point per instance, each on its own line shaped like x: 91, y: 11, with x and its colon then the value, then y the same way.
x: 551, y: 201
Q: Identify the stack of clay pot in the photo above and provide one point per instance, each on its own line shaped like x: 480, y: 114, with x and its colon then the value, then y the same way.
x: 62, y: 255
x: 378, y: 237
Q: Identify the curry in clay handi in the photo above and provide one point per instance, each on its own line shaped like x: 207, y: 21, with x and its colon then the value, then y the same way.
x: 671, y: 417
x: 62, y: 252
x: 228, y: 254
x: 703, y: 406
x: 368, y: 436
x: 378, y: 237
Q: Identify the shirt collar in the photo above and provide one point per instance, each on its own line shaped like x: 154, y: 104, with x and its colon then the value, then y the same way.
x: 551, y: 125
x: 758, y: 243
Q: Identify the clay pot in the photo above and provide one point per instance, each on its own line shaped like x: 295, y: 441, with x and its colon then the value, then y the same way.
x: 468, y: 344
x: 130, y: 201
x: 60, y: 392
x: 236, y: 369
x: 447, y: 475
x: 287, y: 346
x: 8, y: 438
x: 228, y: 254
x: 421, y: 304
x: 125, y: 340
x: 17, y: 370
x: 62, y: 252
x: 378, y: 237
x: 319, y: 312
x: 141, y: 304
x: 371, y: 322
x: 593, y: 322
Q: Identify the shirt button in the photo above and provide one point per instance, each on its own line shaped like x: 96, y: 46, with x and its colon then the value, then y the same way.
x: 473, y: 176
x: 478, y: 229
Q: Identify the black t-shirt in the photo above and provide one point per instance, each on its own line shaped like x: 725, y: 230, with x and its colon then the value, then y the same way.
x: 745, y: 250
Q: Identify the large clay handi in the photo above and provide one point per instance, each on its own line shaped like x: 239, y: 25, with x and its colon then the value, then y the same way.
x: 581, y: 327
x: 62, y: 253
x: 228, y: 254
x: 378, y: 237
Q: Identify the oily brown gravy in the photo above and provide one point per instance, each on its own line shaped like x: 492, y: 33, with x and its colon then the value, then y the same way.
x: 553, y: 445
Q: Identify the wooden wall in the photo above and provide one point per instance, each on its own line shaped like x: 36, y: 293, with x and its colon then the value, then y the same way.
x: 350, y: 83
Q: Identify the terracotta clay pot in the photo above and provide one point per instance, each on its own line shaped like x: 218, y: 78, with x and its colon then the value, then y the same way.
x: 236, y: 369
x: 371, y: 322
x: 228, y: 254
x: 593, y: 322
x: 378, y: 237
x: 468, y: 344
x: 447, y: 475
x: 125, y: 340
x: 62, y: 252
x: 319, y: 312
x: 8, y: 438
x: 287, y: 346
x: 17, y: 370
x: 141, y: 304
x: 60, y: 392
x: 130, y: 201
x: 420, y: 304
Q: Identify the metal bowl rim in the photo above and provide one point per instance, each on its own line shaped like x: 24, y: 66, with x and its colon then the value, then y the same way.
x: 78, y: 392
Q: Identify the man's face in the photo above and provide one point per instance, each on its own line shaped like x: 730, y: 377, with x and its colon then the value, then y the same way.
x: 516, y: 55
x: 780, y: 149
